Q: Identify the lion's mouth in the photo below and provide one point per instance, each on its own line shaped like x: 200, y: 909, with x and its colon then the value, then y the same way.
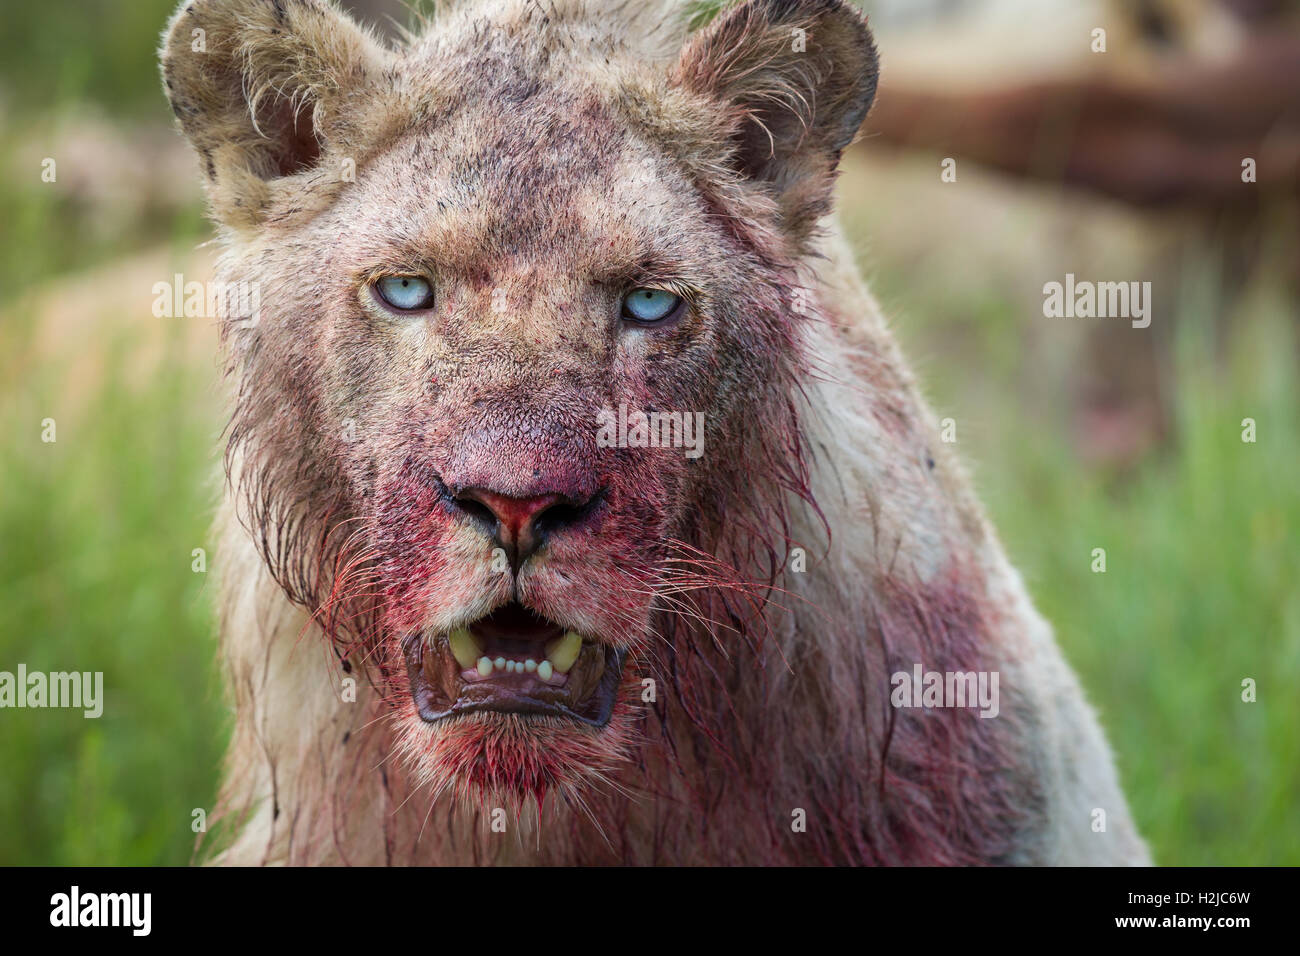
x: 513, y: 662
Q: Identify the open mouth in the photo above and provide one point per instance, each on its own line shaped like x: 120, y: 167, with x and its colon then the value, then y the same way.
x: 513, y: 662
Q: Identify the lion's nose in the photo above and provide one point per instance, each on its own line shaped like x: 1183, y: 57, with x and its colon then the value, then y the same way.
x: 521, y: 525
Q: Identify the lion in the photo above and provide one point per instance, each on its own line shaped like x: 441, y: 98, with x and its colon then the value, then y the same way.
x: 471, y: 610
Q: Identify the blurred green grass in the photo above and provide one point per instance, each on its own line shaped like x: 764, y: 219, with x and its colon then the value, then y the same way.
x: 97, y: 529
x: 1199, y: 593
x: 95, y: 575
x: 82, y: 51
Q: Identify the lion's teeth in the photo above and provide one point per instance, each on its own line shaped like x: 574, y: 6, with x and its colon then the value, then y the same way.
x: 563, y: 652
x: 463, y: 647
x: 561, y: 655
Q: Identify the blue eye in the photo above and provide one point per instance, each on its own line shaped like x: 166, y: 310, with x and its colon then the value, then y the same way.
x: 650, y: 305
x: 407, y: 293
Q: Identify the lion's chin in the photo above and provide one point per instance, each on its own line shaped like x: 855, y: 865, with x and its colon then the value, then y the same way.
x: 509, y: 758
x: 514, y: 664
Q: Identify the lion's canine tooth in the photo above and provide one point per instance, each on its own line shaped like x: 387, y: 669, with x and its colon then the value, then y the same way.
x: 564, y: 651
x: 484, y: 667
x: 463, y: 647
x: 544, y: 670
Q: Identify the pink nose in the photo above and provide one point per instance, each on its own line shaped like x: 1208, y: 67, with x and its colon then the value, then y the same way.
x: 520, y: 525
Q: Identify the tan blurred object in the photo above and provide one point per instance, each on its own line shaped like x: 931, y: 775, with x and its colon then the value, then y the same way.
x: 1167, y: 114
x: 1186, y: 92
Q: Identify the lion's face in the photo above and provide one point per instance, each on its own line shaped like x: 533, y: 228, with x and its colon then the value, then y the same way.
x: 518, y: 555
x: 471, y: 356
x: 476, y: 350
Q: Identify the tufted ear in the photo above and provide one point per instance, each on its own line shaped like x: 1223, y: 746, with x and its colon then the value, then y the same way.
x: 261, y: 88
x: 797, y: 78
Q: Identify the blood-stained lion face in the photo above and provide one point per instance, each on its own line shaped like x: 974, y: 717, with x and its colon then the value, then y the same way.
x: 521, y: 399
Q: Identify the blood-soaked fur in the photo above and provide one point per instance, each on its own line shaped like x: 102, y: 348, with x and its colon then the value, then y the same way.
x: 536, y: 160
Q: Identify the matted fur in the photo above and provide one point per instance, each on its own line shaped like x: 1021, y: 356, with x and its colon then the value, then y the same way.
x: 535, y: 156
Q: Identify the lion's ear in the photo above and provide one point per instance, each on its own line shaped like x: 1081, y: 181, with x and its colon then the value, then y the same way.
x: 260, y: 88
x: 798, y: 77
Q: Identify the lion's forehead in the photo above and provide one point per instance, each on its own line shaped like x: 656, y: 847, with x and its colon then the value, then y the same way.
x: 608, y: 205
x: 528, y: 163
